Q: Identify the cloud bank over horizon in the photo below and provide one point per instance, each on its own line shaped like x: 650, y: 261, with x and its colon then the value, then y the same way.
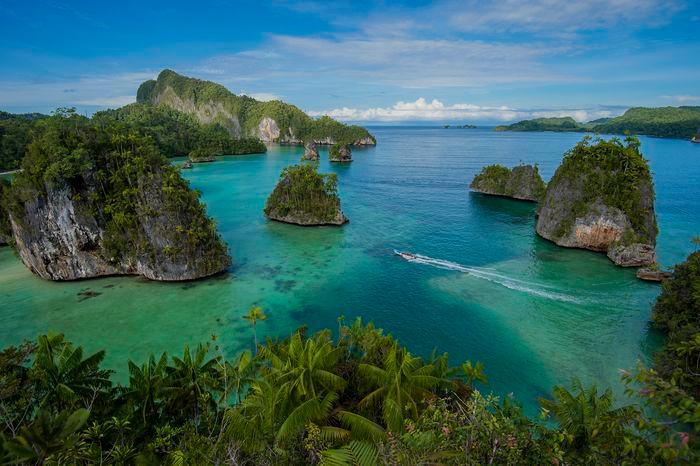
x: 436, y: 111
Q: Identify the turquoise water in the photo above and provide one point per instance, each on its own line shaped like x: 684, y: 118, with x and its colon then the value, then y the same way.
x: 533, y: 313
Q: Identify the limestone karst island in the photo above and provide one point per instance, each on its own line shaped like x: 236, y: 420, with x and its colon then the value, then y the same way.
x: 350, y: 234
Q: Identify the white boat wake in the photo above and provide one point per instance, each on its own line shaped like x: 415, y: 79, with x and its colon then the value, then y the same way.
x: 486, y: 274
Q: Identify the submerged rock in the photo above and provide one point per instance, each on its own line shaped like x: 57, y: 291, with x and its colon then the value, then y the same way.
x: 340, y: 153
x: 522, y: 182
x: 652, y: 274
x: 109, y: 211
x: 305, y: 197
x: 602, y: 198
x: 310, y: 151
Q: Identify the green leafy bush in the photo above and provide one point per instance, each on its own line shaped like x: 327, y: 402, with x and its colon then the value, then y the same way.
x: 677, y: 313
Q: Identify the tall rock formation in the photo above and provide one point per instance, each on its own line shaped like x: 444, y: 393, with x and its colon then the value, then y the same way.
x: 95, y: 202
x: 273, y: 121
x: 602, y: 198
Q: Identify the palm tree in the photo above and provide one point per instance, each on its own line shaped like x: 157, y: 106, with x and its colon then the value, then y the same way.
x: 304, y: 367
x: 65, y: 376
x: 145, y: 385
x: 255, y: 314
x: 241, y: 373
x: 399, y: 385
x: 472, y: 372
x: 584, y: 414
x: 47, y: 435
x: 191, y: 379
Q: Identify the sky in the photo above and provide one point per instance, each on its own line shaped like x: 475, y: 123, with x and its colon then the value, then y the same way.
x: 375, y: 62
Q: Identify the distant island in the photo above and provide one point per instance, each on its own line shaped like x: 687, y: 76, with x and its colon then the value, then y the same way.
x: 465, y: 126
x: 243, y: 116
x: 665, y: 122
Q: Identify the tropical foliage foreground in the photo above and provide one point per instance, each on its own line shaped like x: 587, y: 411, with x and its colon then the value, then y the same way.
x: 309, y: 399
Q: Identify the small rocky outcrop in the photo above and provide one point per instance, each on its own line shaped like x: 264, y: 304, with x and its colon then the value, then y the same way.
x: 340, y: 153
x: 310, y: 151
x: 305, y: 197
x: 522, y: 182
x: 114, y: 212
x: 602, y: 198
x: 202, y: 155
x: 653, y: 274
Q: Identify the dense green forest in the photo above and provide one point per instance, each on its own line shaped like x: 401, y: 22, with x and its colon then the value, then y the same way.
x: 668, y: 122
x: 358, y: 399
x: 178, y: 134
x: 225, y: 107
x: 174, y: 133
x: 16, y: 131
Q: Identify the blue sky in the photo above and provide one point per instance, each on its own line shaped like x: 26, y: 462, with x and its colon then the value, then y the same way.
x: 470, y: 61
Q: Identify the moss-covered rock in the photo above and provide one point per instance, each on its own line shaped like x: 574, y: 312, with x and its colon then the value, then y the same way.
x: 310, y: 151
x: 305, y: 197
x: 95, y: 200
x: 602, y: 198
x: 340, y: 153
x: 522, y: 182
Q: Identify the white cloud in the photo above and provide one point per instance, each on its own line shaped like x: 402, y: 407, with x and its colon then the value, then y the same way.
x: 554, y: 17
x: 435, y: 110
x: 682, y: 99
x: 401, y: 61
x: 118, y: 101
x: 262, y: 96
x: 95, y: 90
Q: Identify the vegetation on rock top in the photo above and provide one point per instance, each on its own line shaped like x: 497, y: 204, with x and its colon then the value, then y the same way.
x: 305, y: 196
x: 521, y: 182
x: 613, y: 172
x: 120, y: 178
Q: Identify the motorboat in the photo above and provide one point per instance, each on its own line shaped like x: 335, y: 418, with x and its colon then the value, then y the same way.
x: 406, y: 255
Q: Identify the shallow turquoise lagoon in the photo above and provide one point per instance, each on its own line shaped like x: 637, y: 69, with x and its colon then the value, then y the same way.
x: 533, y: 313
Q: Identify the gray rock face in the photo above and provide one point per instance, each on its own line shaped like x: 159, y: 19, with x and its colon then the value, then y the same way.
x: 209, y: 112
x: 59, y: 238
x: 340, y: 153
x: 268, y: 131
x: 310, y: 151
x: 305, y: 219
x: 522, y: 182
x: 566, y: 219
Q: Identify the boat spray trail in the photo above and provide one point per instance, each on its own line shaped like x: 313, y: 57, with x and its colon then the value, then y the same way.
x: 531, y: 288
